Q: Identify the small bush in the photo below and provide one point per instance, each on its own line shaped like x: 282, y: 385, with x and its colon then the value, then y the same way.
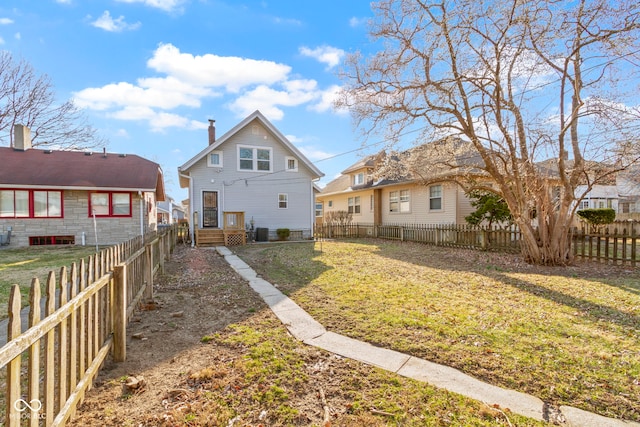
x: 283, y: 233
x: 598, y: 216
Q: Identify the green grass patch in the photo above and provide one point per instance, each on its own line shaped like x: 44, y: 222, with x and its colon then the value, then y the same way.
x: 19, y: 266
x: 273, y: 379
x: 566, y: 335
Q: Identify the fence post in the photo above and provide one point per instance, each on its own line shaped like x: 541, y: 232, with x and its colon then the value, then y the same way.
x: 13, y: 368
x: 120, y: 313
x: 148, y: 272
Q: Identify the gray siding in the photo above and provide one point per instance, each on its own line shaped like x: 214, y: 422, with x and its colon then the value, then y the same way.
x: 256, y: 193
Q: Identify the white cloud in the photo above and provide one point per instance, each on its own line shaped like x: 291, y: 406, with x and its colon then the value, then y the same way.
x: 327, y: 99
x: 314, y: 154
x: 166, y: 5
x: 184, y: 80
x: 17, y: 36
x: 6, y: 21
x: 267, y: 99
x: 107, y: 23
x: 325, y: 54
x: 232, y: 72
x: 356, y: 22
x: 122, y: 133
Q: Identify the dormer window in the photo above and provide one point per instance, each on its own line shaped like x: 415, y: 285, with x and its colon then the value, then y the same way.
x: 358, y: 179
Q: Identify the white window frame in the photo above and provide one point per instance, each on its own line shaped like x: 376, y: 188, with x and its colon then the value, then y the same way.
x: 432, y: 197
x: 254, y: 158
x: 404, y: 201
x: 394, y: 205
x: 358, y: 178
x: 584, y: 204
x: 210, y: 163
x: 353, y: 205
x: 283, y: 201
x: 288, y: 159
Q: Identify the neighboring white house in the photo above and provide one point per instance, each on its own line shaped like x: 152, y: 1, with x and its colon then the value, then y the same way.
x: 169, y: 212
x: 253, y: 169
x: 600, y: 196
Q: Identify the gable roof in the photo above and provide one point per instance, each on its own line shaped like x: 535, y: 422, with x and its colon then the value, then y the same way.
x: 78, y: 170
x: 459, y: 154
x: 256, y: 115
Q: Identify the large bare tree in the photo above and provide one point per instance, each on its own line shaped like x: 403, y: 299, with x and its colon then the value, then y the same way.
x: 28, y: 99
x: 543, y: 91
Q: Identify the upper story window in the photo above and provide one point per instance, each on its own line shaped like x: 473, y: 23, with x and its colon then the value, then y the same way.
x: 30, y: 204
x: 214, y: 159
x: 291, y: 164
x: 110, y: 204
x: 435, y: 197
x: 358, y: 179
x: 254, y: 159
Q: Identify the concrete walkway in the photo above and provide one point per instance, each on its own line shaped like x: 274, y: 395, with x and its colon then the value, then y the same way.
x: 305, y: 328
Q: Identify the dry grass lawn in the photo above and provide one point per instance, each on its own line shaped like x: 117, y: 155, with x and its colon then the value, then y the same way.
x: 570, y: 336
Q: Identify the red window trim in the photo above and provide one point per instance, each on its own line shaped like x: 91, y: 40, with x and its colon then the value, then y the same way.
x: 32, y: 204
x: 111, y: 214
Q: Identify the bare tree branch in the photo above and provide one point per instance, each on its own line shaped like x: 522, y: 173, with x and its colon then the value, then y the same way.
x: 29, y: 99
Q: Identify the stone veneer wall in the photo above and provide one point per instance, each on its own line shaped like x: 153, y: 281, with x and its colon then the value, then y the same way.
x: 77, y: 221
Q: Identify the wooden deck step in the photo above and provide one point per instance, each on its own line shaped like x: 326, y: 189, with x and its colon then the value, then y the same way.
x: 209, y: 237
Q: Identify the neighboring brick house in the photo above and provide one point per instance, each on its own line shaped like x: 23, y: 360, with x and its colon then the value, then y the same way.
x: 70, y: 197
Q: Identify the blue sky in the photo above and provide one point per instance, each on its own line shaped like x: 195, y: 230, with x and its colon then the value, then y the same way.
x: 150, y: 73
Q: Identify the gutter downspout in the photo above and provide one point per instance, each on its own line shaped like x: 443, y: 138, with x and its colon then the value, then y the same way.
x: 191, y: 230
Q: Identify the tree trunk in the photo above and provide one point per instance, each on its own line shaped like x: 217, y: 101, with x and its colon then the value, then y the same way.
x: 544, y: 245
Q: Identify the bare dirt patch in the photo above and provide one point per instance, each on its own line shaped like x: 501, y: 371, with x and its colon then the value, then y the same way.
x: 196, y: 296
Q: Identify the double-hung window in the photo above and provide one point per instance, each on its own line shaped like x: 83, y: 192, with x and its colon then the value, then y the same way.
x: 255, y: 159
x: 353, y: 205
x: 435, y: 197
x: 30, y: 204
x: 358, y: 179
x: 393, y: 202
x: 110, y: 204
x: 283, y: 201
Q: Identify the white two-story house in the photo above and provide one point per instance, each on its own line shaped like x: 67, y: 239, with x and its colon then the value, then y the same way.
x: 251, y: 178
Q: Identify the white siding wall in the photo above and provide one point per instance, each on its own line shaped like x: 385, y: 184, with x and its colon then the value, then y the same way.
x: 340, y: 202
x: 419, y: 206
x: 256, y: 193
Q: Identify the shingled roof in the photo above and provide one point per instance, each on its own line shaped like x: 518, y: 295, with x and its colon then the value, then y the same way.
x: 79, y: 171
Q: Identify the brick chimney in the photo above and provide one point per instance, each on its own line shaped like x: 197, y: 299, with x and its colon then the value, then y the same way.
x: 21, y: 138
x: 212, y: 131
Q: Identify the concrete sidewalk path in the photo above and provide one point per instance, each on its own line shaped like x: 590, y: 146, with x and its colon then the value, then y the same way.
x: 305, y: 328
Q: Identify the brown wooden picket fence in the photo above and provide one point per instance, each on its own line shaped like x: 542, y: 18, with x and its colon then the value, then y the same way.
x: 616, y: 244
x: 86, y: 309
x: 464, y: 236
